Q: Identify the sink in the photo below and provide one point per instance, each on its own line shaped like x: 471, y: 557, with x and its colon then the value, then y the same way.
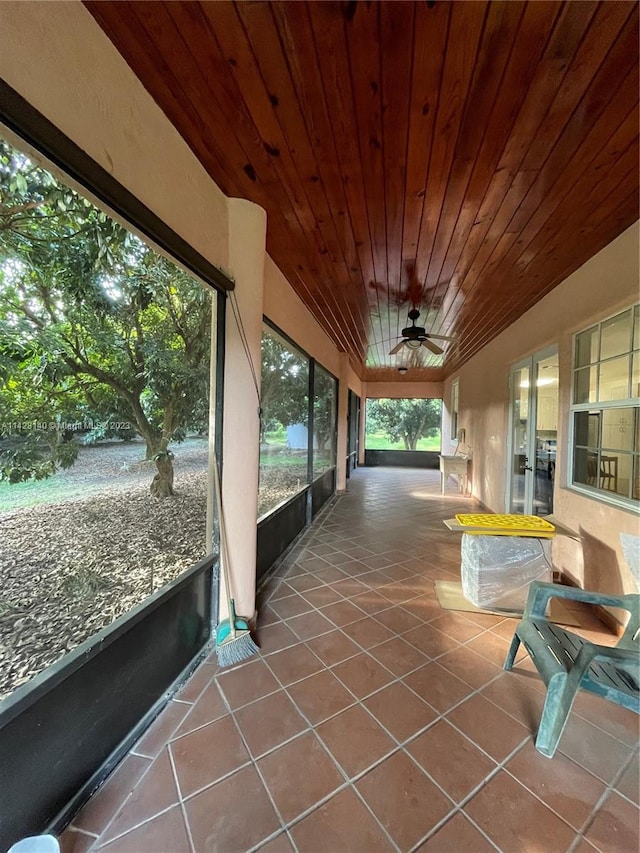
x: 457, y: 464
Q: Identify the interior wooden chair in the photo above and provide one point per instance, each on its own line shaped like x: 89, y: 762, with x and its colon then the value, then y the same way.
x: 567, y: 662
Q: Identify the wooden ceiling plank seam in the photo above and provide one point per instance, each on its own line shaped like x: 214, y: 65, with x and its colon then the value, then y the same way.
x: 363, y: 49
x: 565, y: 36
x: 430, y: 40
x: 531, y: 41
x: 604, y: 30
x: 397, y: 26
x: 375, y: 286
x: 266, y: 60
x: 313, y: 107
x: 473, y: 322
x: 383, y: 210
x: 303, y: 207
x: 510, y: 223
x: 563, y: 180
x: 567, y: 224
x: 509, y: 183
x: 143, y: 56
x: 566, y: 229
x: 260, y: 190
x: 325, y: 313
x: 501, y: 29
x: 309, y: 223
x: 596, y: 180
x: 241, y: 71
x: 537, y: 103
x: 292, y: 273
x: 364, y: 135
x: 467, y: 24
x: 327, y: 56
x: 622, y: 95
x: 604, y: 231
x: 326, y: 317
x: 620, y: 217
x: 588, y: 89
x: 255, y: 196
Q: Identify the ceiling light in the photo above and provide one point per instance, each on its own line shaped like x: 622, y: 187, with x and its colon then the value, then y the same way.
x: 414, y: 344
x: 402, y: 370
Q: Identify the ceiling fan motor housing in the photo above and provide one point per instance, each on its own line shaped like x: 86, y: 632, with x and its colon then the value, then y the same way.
x: 413, y: 332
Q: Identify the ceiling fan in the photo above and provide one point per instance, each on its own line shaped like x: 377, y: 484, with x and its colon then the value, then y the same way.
x: 414, y: 337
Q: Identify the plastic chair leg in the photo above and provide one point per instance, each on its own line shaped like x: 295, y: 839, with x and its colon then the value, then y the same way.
x: 513, y: 650
x: 561, y: 692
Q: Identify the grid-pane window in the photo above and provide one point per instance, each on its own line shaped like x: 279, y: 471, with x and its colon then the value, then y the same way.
x: 606, y: 410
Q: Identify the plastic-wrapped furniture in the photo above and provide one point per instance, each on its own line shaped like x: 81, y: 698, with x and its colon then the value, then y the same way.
x: 566, y: 662
x: 496, y: 571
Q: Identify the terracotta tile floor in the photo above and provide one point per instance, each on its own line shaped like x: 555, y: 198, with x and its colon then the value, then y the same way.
x: 372, y: 719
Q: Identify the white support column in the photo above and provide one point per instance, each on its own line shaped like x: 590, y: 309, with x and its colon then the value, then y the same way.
x: 343, y: 411
x: 241, y: 424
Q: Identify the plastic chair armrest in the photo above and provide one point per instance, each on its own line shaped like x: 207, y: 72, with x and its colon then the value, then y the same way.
x: 540, y: 593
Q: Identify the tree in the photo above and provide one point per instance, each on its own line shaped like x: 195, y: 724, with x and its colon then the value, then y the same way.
x: 324, y: 411
x: 284, y: 392
x: 284, y: 385
x: 94, y: 327
x: 404, y: 419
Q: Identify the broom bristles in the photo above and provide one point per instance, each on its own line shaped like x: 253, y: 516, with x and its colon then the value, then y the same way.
x: 236, y: 649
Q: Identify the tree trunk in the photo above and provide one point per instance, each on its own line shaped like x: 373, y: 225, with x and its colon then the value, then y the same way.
x: 162, y: 483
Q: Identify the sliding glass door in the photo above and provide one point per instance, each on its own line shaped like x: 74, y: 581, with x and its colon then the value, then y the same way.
x: 533, y: 426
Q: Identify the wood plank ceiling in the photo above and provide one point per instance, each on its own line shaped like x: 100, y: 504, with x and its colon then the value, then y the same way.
x: 462, y: 158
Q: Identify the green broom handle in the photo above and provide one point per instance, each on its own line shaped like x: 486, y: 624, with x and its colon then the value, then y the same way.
x: 224, y: 552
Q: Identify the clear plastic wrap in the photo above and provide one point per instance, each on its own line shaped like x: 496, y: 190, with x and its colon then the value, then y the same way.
x: 497, y: 570
x: 631, y: 551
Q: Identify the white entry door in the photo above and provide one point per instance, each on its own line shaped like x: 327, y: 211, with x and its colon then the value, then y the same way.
x: 533, y: 429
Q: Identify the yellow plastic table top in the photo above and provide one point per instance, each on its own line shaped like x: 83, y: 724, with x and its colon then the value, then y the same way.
x: 496, y: 524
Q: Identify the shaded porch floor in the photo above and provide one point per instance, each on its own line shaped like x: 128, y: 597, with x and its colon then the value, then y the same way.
x: 372, y: 719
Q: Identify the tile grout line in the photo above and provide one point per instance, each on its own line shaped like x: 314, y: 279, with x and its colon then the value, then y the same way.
x: 350, y: 780
x: 125, y: 801
x: 603, y: 798
x: 183, y: 810
x: 343, y: 533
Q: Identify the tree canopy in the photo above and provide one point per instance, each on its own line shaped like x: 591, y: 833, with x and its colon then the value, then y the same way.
x: 285, y: 391
x: 404, y: 419
x: 96, y: 329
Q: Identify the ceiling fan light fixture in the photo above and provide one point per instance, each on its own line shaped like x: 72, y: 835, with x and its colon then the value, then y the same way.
x: 413, y: 344
x: 402, y: 370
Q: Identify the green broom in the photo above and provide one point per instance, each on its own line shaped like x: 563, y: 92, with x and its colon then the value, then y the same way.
x: 233, y: 638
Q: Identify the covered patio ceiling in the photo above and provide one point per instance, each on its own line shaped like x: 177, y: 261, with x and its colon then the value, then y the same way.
x: 462, y: 158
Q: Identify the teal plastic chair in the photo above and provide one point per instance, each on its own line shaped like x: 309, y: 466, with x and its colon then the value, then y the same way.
x: 566, y: 662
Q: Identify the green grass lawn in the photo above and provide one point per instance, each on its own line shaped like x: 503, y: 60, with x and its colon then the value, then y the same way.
x: 18, y: 495
x: 379, y: 441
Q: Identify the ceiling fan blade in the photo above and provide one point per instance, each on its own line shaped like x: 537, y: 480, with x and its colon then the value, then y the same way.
x: 442, y: 337
x: 435, y: 349
x: 396, y: 348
